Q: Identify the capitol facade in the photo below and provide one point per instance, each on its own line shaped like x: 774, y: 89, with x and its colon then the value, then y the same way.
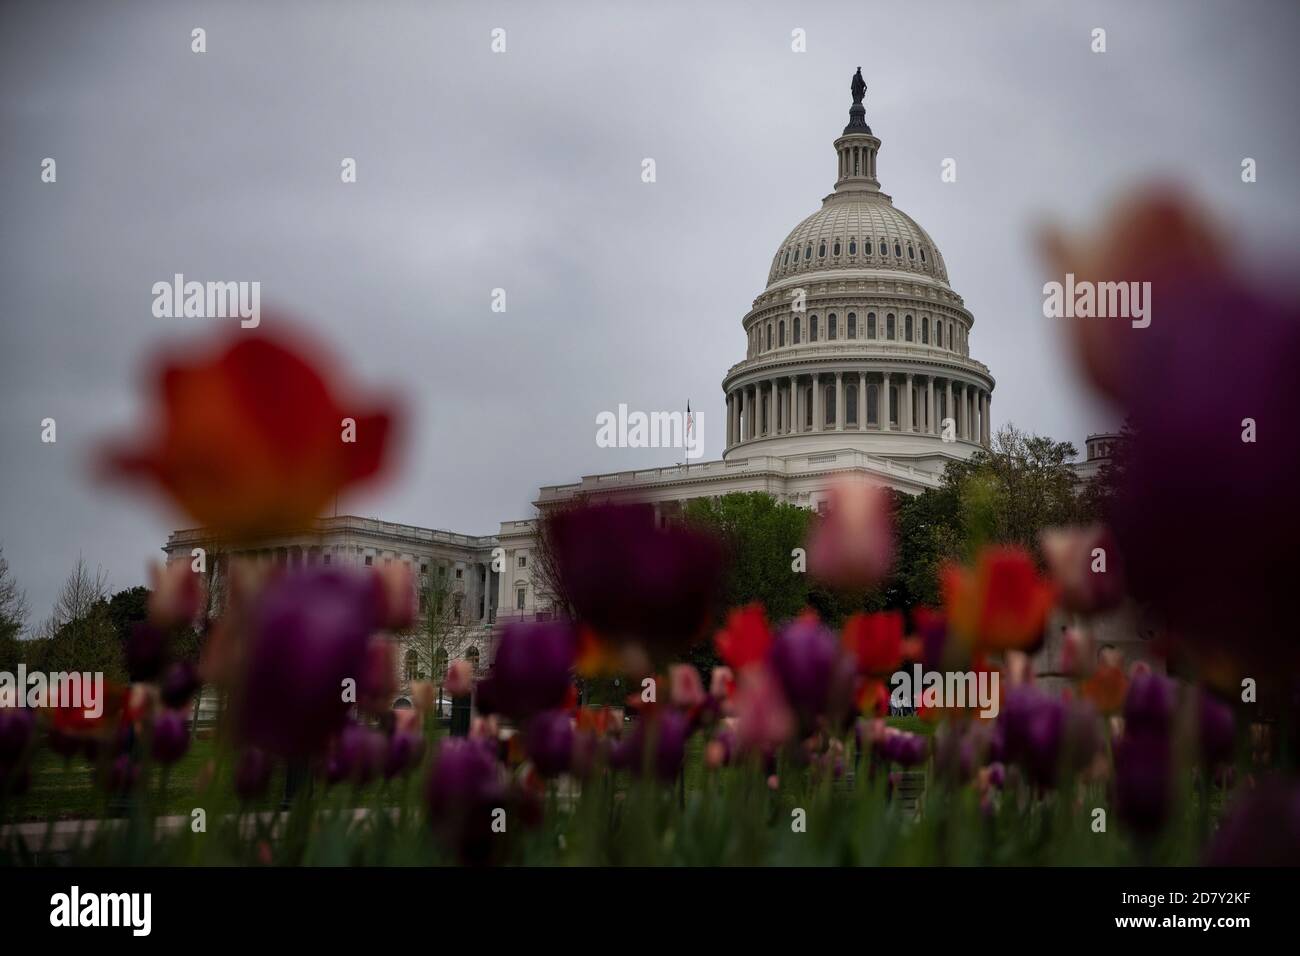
x: 857, y: 362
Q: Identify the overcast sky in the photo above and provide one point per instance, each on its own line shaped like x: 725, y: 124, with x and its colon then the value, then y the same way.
x: 522, y: 171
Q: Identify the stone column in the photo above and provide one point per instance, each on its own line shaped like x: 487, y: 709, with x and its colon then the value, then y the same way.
x: 790, y: 397
x: 907, y: 405
x: 988, y: 425
x: 929, y: 404
x: 731, y: 420
x: 839, y: 401
x: 816, y: 404
x: 884, y: 403
x: 947, y: 400
x: 862, y: 400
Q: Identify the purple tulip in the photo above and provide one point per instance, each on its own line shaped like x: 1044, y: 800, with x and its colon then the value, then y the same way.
x: 1261, y: 827
x: 1149, y: 704
x: 804, y: 657
x: 667, y: 730
x: 404, y: 752
x: 179, y: 684
x: 171, y: 737
x: 252, y: 774
x: 465, y: 786
x: 358, y: 755
x: 904, y: 749
x: 549, y: 742
x: 629, y: 580
x: 1217, y: 729
x: 1189, y: 443
x: 531, y: 670
x: 1143, y: 781
x: 308, y: 635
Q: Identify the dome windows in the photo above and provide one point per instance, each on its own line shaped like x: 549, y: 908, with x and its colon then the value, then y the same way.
x: 812, y: 328
x: 821, y: 250
x: 907, y: 327
x: 850, y: 404
x: 796, y: 330
x: 925, y: 330
x: 769, y: 335
x: 832, y: 327
x: 853, y: 325
x: 780, y: 333
x: 807, y: 253
x: 853, y: 246
x: 871, y: 325
x: 884, y: 248
x: 835, y: 249
x: 786, y: 261
x: 911, y: 253
x: 898, y: 250
x: 923, y: 253
x: 889, y: 326
x: 938, y: 334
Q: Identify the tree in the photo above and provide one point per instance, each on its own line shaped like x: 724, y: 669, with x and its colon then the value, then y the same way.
x: 80, y: 632
x: 13, y: 617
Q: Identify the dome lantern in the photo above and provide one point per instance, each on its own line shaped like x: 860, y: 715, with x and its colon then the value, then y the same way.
x: 857, y: 147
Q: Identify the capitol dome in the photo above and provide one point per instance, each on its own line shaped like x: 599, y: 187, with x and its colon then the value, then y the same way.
x: 858, y: 341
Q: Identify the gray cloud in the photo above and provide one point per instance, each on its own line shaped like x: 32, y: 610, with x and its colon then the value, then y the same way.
x: 521, y: 171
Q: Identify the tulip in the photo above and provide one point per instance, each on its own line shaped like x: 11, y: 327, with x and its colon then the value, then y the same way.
x: 171, y: 737
x: 549, y: 742
x: 875, y: 641
x: 722, y: 683
x: 395, y: 596
x: 630, y: 581
x: 179, y: 684
x: 1085, y: 564
x: 359, y: 755
x: 405, y: 749
x: 686, y: 690
x: 464, y: 787
x: 1143, y: 780
x: 1216, y: 728
x: 746, y: 638
x: 177, y: 594
x: 1001, y: 604
x: 460, y: 678
x: 667, y: 730
x: 852, y: 544
x: 532, y: 669
x: 377, y: 683
x: 806, y: 659
x: 250, y: 437
x: 1261, y: 827
x: 1149, y: 704
x: 309, y: 634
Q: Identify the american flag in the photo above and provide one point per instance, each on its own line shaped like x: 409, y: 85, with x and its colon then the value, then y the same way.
x: 690, y: 419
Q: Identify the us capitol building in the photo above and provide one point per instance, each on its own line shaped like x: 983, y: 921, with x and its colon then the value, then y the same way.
x: 857, y: 361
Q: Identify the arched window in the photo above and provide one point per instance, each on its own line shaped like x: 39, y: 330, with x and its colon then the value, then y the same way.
x: 796, y: 330
x: 807, y: 253
x: 412, y: 666
x: 812, y: 328
x: 851, y: 405
x: 938, y: 334
x: 925, y: 330
x: 830, y: 404
x: 835, y: 249
x: 873, y: 404
x: 780, y: 333
x: 786, y: 260
x: 907, y: 327
x: 889, y: 326
x: 769, y: 336
x: 821, y: 250
x: 884, y: 248
x: 853, y: 325
x: 898, y: 250
x: 871, y: 325
x: 853, y: 246
x: 911, y: 253
x: 832, y: 327
x: 923, y: 253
